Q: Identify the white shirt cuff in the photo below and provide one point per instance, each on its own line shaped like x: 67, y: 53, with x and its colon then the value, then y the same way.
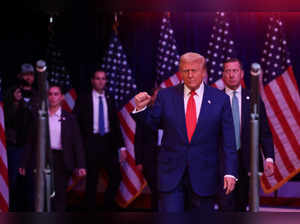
x: 137, y: 111
x: 122, y: 149
x: 269, y: 160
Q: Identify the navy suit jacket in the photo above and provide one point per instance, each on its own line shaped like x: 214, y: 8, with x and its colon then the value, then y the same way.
x: 200, y: 156
x: 265, y: 135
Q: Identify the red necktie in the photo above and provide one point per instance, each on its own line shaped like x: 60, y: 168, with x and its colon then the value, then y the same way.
x: 190, y: 116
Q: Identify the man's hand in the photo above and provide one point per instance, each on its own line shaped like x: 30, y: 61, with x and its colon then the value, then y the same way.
x: 81, y: 172
x: 269, y: 168
x: 142, y: 99
x: 229, y: 184
x: 122, y: 156
x: 22, y: 171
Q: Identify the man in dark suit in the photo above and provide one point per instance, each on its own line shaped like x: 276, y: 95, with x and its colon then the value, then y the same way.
x: 233, y: 75
x: 195, y: 119
x: 65, y: 145
x: 103, y: 140
x: 146, y: 146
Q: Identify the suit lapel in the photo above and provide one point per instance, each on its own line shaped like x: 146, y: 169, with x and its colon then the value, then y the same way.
x: 90, y: 109
x: 63, y: 120
x: 245, y: 108
x: 203, y: 111
x: 179, y: 102
x: 109, y: 109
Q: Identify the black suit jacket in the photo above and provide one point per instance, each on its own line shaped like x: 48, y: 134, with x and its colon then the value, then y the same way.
x: 73, y: 151
x: 84, y: 111
x: 265, y: 135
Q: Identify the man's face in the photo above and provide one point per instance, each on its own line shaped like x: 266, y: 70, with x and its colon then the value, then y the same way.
x: 55, y: 96
x: 232, y: 75
x: 29, y: 78
x: 192, y: 74
x: 17, y: 94
x: 99, y: 81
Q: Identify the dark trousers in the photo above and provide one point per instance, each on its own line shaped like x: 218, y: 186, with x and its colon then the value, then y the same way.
x: 61, y: 178
x: 101, y: 155
x: 150, y: 174
x: 238, y: 200
x: 184, y: 198
x: 14, y: 154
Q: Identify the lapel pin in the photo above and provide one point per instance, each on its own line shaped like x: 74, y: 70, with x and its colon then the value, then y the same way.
x: 248, y: 97
x: 209, y: 102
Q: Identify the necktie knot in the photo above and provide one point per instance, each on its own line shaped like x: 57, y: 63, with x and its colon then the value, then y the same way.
x: 193, y: 93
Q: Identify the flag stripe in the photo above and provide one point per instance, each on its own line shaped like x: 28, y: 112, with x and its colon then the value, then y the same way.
x: 288, y: 99
x: 293, y: 79
x: 281, y: 150
x: 4, y: 190
x: 128, y: 183
x: 292, y: 89
x: 282, y: 119
x: 3, y: 204
x: 126, y: 128
x: 3, y: 171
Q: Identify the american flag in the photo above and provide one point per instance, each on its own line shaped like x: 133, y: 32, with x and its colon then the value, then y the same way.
x: 121, y: 85
x: 167, y: 55
x: 280, y: 94
x: 4, y: 190
x: 220, y: 49
x: 57, y: 72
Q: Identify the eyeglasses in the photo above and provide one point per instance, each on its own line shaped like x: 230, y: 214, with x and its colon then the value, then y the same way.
x: 234, y: 71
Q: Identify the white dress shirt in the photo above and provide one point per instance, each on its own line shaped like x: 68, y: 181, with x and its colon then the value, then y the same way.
x: 55, y: 129
x: 197, y: 97
x: 96, y: 96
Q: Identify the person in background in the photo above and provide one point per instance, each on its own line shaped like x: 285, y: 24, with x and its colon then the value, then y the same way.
x: 65, y: 145
x: 27, y: 83
x: 233, y: 74
x: 103, y: 140
x: 17, y: 120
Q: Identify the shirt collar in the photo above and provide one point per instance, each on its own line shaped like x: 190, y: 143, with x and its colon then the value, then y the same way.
x: 230, y: 91
x: 57, y: 113
x: 198, y: 91
x: 96, y: 94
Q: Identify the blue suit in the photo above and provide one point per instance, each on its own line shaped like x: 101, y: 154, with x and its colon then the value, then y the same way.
x: 200, y: 157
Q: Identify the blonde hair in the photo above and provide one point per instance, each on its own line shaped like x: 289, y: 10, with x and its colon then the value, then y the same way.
x: 191, y: 57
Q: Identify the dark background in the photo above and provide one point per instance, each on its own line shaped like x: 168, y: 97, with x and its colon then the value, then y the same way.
x: 83, y: 31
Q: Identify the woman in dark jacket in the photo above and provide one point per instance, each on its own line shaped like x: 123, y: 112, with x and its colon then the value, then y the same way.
x: 17, y: 119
